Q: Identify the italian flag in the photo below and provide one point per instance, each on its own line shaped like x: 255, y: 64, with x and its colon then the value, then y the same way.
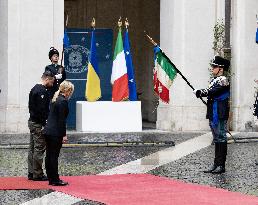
x: 164, y: 74
x: 119, y: 77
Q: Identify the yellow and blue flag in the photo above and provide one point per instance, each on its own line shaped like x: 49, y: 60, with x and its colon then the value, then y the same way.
x: 93, y: 91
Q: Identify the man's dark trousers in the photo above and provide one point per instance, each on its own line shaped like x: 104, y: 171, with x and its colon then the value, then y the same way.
x: 37, y: 148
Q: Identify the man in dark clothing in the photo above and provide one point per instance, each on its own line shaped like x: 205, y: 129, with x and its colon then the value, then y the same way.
x: 39, y: 109
x: 57, y: 70
x: 218, y: 94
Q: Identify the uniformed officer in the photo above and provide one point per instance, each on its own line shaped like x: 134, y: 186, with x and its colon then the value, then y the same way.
x: 57, y: 70
x: 218, y: 93
x: 39, y: 109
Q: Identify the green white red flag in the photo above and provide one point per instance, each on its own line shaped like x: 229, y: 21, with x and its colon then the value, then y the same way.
x: 164, y: 73
x: 119, y: 77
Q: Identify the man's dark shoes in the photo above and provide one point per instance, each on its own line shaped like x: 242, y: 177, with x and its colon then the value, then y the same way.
x: 219, y: 170
x: 42, y: 178
x: 58, y: 183
x: 211, y: 169
x: 30, y: 176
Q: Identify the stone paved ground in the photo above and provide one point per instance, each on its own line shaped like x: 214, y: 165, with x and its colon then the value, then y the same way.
x: 240, y: 176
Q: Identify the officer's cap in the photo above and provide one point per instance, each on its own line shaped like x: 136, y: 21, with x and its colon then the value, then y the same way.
x: 52, y: 52
x: 220, y: 62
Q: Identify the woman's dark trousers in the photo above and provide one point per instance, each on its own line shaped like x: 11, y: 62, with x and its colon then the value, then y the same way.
x: 53, y: 146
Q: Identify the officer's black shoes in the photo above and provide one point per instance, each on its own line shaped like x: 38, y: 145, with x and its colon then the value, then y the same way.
x: 58, y: 183
x: 42, y: 178
x: 211, y: 169
x: 30, y: 176
x: 219, y: 170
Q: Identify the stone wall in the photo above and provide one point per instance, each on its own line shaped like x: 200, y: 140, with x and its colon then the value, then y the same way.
x: 28, y: 29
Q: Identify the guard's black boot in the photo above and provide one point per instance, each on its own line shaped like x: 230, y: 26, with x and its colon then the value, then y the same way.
x: 219, y: 170
x: 214, y: 166
x: 222, y: 154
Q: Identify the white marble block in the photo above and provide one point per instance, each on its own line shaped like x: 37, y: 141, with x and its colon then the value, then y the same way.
x: 107, y: 116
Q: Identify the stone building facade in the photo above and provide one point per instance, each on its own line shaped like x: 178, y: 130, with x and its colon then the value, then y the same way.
x: 183, y: 28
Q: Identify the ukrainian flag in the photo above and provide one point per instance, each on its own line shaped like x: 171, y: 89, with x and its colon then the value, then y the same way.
x: 93, y: 91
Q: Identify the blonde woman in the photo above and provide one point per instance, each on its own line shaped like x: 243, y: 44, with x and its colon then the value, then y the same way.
x: 55, y: 131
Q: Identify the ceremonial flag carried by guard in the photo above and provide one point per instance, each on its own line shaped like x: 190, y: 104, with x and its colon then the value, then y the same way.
x: 164, y: 73
x: 129, y: 65
x: 119, y: 77
x: 93, y: 91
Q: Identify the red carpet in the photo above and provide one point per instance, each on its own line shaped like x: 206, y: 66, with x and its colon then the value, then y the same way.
x: 145, y: 189
x: 137, y: 189
x: 15, y: 183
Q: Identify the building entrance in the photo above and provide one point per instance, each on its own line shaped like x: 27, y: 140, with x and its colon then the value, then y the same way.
x: 143, y: 15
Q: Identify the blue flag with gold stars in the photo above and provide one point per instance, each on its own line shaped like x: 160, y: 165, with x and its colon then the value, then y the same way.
x: 130, y: 68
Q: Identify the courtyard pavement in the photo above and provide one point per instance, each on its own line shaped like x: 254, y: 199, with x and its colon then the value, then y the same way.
x: 89, y: 154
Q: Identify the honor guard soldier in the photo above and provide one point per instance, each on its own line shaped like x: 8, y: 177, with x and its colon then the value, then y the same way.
x: 218, y: 93
x: 57, y: 70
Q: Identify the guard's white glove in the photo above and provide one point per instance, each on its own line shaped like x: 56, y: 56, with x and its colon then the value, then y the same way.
x: 58, y: 76
x: 194, y: 91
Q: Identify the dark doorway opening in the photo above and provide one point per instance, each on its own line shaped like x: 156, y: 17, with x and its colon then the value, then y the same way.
x: 143, y: 15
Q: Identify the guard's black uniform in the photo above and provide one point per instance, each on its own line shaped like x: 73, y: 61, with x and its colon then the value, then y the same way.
x: 218, y: 87
x: 54, y: 131
x: 55, y: 69
x: 218, y: 94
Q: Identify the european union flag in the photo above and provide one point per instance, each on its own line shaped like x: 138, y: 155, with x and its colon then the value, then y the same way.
x: 130, y: 69
x: 66, y: 41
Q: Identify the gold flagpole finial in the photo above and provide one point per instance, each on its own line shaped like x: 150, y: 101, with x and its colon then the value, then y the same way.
x: 150, y: 39
x: 126, y: 23
x: 120, y: 23
x: 93, y: 23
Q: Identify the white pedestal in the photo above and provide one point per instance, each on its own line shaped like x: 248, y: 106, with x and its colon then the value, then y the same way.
x: 107, y: 116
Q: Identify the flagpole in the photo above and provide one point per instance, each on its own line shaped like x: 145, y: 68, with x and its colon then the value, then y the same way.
x: 66, y: 23
x: 178, y: 71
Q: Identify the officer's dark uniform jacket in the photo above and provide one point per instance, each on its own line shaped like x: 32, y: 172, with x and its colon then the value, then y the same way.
x: 54, y: 68
x: 56, y: 122
x: 39, y: 104
x: 217, y: 87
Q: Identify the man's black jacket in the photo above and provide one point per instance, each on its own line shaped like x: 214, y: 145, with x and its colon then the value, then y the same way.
x: 39, y: 104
